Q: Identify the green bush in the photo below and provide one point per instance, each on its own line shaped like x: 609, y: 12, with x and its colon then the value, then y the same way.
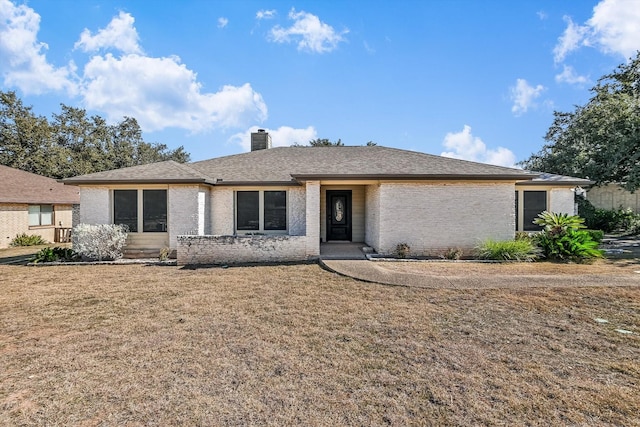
x: 564, y: 238
x: 25, y: 239
x: 596, y: 235
x: 620, y: 220
x: 508, y: 250
x: 54, y: 254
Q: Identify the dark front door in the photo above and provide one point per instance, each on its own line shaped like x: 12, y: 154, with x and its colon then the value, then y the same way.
x: 338, y: 215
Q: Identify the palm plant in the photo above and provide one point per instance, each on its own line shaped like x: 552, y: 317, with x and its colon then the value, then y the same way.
x: 563, y: 237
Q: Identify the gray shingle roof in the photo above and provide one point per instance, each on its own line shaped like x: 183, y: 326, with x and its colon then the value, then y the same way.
x: 550, y: 178
x: 24, y: 187
x: 161, y: 172
x: 293, y: 164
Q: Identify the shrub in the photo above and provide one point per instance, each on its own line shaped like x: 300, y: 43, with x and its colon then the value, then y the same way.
x: 508, y: 250
x: 596, y: 235
x: 452, y: 253
x: 99, y: 242
x: 54, y: 254
x: 564, y: 238
x: 25, y: 239
x: 402, y: 250
x: 621, y: 220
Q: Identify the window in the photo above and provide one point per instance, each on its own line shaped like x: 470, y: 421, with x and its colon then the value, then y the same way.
x: 153, y: 203
x: 534, y: 203
x: 261, y: 211
x: 248, y: 214
x: 275, y: 210
x: 154, y: 210
x: 40, y: 215
x: 125, y: 208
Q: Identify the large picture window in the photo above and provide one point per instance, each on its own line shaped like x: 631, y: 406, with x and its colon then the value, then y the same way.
x: 154, y: 210
x: 261, y: 211
x: 127, y: 205
x: 40, y: 215
x: 125, y: 209
x: 533, y: 203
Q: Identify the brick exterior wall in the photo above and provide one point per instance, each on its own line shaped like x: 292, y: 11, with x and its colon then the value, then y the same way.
x: 240, y: 249
x: 95, y: 206
x: 222, y: 211
x: 182, y: 206
x: 372, y: 215
x: 431, y: 218
x: 562, y: 200
x: 14, y: 220
x: 297, y: 209
x: 312, y: 209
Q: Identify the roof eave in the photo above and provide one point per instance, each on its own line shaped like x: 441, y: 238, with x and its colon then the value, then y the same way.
x: 483, y: 177
x: 136, y: 181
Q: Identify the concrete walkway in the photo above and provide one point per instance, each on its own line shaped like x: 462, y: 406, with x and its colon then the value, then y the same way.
x: 374, y: 271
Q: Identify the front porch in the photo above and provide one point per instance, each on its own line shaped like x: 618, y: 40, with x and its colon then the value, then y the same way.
x: 344, y: 250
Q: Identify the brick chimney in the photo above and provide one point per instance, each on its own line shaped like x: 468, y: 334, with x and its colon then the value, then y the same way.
x: 260, y: 140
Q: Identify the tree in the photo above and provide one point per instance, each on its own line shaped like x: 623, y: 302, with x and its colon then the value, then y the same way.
x: 73, y: 143
x: 601, y: 139
x: 325, y: 143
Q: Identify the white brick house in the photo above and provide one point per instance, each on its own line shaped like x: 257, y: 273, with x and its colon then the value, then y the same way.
x: 280, y: 204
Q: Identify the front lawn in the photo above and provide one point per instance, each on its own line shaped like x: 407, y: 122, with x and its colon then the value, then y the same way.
x: 296, y: 345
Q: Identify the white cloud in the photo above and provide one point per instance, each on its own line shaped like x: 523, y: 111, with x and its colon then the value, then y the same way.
x: 222, y: 22
x: 542, y: 15
x: 158, y: 92
x: 284, y: 136
x: 265, y: 14
x: 23, y: 63
x: 568, y: 75
x: 312, y: 34
x: 523, y: 96
x: 616, y: 26
x: 120, y: 34
x: 614, y: 29
x: 162, y: 92
x: 465, y: 146
x: 573, y: 37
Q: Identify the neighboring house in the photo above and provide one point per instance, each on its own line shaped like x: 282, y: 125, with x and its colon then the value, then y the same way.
x: 613, y: 197
x: 35, y: 204
x: 278, y: 204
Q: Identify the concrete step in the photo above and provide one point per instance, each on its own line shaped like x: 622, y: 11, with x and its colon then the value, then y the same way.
x: 140, y: 253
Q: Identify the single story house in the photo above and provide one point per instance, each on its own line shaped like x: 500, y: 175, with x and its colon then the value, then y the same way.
x: 282, y: 204
x: 34, y: 204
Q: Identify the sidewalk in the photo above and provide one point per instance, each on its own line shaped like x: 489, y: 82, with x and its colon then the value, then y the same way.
x: 372, y: 271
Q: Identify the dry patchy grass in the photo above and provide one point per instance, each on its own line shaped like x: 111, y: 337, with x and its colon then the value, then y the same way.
x: 290, y: 345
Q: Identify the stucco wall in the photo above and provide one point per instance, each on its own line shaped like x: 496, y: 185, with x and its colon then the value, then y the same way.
x: 612, y: 197
x: 372, y: 216
x: 431, y: 218
x: 240, y: 249
x: 95, y: 206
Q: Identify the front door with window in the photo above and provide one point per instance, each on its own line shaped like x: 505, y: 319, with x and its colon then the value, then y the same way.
x: 338, y: 215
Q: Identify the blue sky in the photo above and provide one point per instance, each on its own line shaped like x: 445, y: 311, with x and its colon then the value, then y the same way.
x: 477, y: 80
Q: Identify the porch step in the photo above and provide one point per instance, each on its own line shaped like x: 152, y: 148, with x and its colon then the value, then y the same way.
x: 134, y: 253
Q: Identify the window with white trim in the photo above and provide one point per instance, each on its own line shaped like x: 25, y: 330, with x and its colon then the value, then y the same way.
x: 261, y: 211
x: 40, y: 215
x: 529, y: 204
